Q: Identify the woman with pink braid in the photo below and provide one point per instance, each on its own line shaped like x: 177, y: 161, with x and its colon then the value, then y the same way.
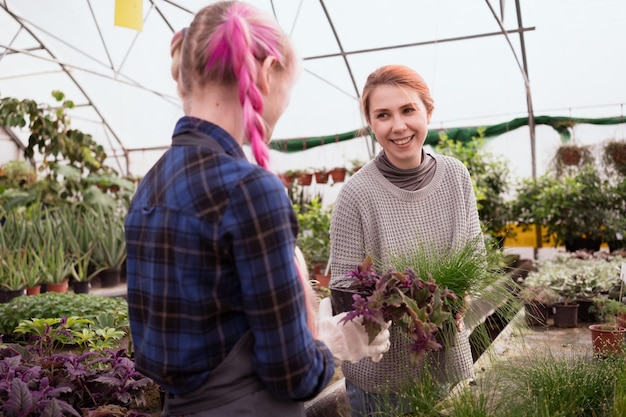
x: 219, y: 316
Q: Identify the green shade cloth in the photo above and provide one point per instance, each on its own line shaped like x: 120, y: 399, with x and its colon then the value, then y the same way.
x: 461, y: 134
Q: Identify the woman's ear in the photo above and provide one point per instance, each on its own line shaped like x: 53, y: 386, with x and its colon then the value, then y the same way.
x: 264, y: 74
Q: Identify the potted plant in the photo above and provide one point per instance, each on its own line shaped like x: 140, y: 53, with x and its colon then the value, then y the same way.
x: 454, y: 287
x: 491, y: 179
x: 17, y: 174
x: 420, y: 307
x: 614, y: 156
x: 314, y: 235
x: 14, y: 243
x: 48, y: 241
x: 607, y: 336
x: 569, y: 157
x: 356, y: 164
x: 571, y: 210
x: 304, y: 177
x: 575, y: 277
x: 338, y: 174
x: 538, y: 301
x: 614, y: 231
x: 29, y: 265
x: 287, y: 178
x: 109, y: 252
x: 56, y: 266
x: 321, y: 176
x: 80, y: 231
x: 12, y: 282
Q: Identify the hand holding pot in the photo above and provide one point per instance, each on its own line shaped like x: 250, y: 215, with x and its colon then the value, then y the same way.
x: 349, y: 341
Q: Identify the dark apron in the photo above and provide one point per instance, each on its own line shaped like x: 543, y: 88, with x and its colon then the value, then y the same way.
x: 233, y: 389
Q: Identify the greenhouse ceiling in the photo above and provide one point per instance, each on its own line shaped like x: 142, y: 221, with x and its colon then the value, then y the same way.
x: 472, y: 53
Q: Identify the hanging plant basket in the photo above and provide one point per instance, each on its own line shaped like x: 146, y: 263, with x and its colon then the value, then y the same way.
x: 321, y: 177
x: 287, y: 179
x: 305, y: 178
x: 571, y: 155
x: 338, y: 174
x: 570, y: 158
x: 615, y: 155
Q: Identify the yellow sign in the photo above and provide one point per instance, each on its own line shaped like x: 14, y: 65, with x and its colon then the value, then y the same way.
x: 129, y: 14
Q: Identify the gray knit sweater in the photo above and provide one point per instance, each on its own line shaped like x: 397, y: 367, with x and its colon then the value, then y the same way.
x: 373, y: 217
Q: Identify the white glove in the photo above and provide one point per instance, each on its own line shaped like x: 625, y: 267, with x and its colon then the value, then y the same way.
x: 348, y: 341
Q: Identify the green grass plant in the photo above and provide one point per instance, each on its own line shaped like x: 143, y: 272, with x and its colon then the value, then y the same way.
x: 544, y: 385
x: 476, y: 272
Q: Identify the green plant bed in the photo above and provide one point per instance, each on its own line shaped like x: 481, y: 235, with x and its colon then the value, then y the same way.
x: 57, y: 305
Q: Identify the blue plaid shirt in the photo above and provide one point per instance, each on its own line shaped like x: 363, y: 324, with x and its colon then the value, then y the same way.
x: 210, y: 240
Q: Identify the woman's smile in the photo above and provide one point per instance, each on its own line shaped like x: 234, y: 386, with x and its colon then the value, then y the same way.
x: 402, y: 141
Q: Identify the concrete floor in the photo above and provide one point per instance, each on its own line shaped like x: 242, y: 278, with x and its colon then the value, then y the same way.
x: 521, y: 341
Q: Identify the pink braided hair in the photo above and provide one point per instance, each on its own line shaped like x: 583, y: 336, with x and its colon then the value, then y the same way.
x: 236, y: 44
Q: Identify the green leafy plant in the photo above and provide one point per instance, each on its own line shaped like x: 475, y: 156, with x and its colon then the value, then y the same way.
x: 109, y: 240
x: 314, y: 231
x: 51, y: 133
x: 16, y: 174
x: 50, y: 333
x: 57, y: 305
x: 544, y: 383
x: 14, y: 251
x: 614, y: 230
x: 72, y: 164
x: 55, y: 333
x: 574, y: 278
x: 572, y: 208
x: 491, y: 179
x: 608, y: 310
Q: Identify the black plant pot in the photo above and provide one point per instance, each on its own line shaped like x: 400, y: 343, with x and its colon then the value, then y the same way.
x: 585, y: 243
x: 81, y: 287
x: 615, y: 245
x: 341, y: 299
x: 8, y: 295
x: 566, y: 315
x: 536, y: 314
x: 110, y: 277
x: 584, y: 316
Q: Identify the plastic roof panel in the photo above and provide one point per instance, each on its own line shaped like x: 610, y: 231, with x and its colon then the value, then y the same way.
x: 120, y: 78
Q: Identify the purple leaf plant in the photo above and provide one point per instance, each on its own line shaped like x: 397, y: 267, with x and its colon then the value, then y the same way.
x: 420, y: 307
x: 34, y: 383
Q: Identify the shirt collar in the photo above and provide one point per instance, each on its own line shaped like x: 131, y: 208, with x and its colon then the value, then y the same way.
x: 193, y: 124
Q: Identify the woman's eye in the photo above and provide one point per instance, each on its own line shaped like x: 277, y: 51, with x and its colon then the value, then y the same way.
x: 382, y: 116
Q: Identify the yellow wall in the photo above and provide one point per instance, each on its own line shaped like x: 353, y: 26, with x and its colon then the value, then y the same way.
x: 527, y: 239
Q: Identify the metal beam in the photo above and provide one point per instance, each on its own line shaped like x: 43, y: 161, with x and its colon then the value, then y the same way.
x: 410, y: 45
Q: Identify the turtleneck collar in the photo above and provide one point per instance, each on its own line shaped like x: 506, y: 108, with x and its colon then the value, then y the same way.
x: 412, y: 179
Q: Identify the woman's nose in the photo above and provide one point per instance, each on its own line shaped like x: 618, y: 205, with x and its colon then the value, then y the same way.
x: 398, y: 124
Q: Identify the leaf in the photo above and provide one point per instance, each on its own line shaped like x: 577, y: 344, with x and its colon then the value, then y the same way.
x: 20, y: 401
x: 58, y: 408
x: 372, y: 328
